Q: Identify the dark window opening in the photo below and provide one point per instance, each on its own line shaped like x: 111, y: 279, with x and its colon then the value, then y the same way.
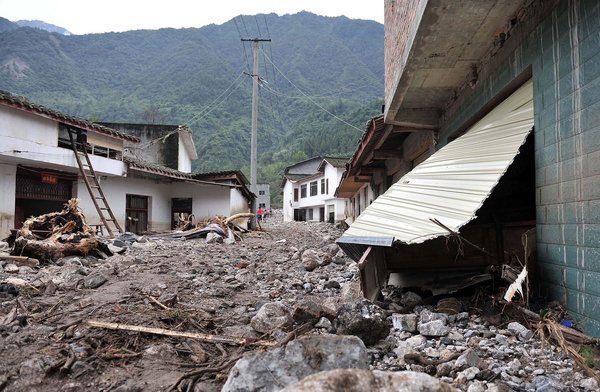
x: 295, y: 194
x: 323, y: 186
x: 313, y: 188
x: 303, y: 191
x: 181, y: 211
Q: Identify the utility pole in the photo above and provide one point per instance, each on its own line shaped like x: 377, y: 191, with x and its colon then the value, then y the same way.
x: 255, y: 79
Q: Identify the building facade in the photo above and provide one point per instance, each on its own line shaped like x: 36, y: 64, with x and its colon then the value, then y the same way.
x: 263, y: 198
x: 444, y: 81
x: 309, y: 188
x: 39, y: 173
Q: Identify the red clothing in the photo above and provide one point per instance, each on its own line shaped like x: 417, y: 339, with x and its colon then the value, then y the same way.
x: 259, y: 212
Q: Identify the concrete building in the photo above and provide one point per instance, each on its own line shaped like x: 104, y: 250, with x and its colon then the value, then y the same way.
x: 263, y: 198
x: 39, y: 173
x: 308, y: 190
x: 454, y: 89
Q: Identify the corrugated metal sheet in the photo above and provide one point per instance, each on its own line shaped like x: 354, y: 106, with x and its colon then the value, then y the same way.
x: 452, y: 184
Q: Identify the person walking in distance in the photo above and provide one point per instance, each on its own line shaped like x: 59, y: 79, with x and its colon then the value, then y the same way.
x: 259, y: 213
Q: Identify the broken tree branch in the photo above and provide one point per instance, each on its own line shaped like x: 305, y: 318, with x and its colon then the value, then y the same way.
x: 237, y: 216
x: 192, y: 335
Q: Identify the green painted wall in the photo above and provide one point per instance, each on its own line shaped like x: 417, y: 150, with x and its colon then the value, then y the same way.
x: 564, y: 52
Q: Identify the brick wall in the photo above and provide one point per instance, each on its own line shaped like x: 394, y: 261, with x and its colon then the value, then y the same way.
x: 400, y: 24
x: 563, y: 50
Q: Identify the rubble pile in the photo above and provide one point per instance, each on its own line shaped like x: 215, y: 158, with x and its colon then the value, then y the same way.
x: 196, y: 315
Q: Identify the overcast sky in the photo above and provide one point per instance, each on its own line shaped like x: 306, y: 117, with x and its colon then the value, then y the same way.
x: 85, y: 16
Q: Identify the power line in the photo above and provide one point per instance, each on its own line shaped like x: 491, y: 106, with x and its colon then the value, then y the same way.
x: 243, y: 45
x: 310, y: 98
x: 219, y: 103
x: 258, y: 27
x: 215, y: 100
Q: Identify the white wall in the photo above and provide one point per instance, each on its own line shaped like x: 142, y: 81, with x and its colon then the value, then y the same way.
x: 27, y: 126
x: 184, y: 163
x: 207, y: 200
x: 8, y: 175
x: 238, y: 202
x: 288, y: 201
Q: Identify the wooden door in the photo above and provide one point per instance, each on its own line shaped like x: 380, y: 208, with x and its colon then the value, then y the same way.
x: 136, y: 211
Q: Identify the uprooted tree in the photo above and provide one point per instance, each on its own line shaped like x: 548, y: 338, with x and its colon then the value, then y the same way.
x: 54, y: 235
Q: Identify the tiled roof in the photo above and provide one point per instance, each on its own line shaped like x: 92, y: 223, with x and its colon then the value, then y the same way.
x: 221, y: 175
x: 155, y: 168
x: 23, y: 103
x: 339, y: 162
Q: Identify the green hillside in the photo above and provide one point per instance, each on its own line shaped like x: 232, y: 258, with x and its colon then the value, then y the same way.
x: 180, y: 75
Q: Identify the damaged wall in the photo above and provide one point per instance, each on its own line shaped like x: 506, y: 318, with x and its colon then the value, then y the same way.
x: 561, y: 49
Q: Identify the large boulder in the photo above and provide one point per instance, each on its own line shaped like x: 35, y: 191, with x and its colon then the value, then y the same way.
x: 311, y: 259
x: 361, y: 380
x: 363, y: 319
x: 274, y: 369
x: 310, y: 311
x: 271, y: 316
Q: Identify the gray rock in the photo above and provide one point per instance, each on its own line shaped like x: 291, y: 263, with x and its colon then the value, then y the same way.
x: 323, y: 323
x: 547, y: 384
x: 476, y: 386
x: 589, y: 384
x: 428, y: 316
x: 361, y: 380
x: 311, y: 260
x: 433, y: 328
x: 271, y: 316
x: 310, y: 311
x: 520, y: 331
x: 271, y: 370
x: 363, y: 319
x: 332, y: 249
x: 11, y: 268
x: 168, y: 299
x: 410, y: 298
x: 332, y: 284
x: 213, y: 238
x: 405, y: 322
x: 468, y: 359
x: 94, y: 281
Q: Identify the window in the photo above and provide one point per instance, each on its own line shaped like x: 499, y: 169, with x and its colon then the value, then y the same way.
x: 303, y: 191
x: 358, y: 203
x: 366, y: 196
x: 310, y: 213
x: 261, y: 205
x: 295, y: 194
x: 261, y: 193
x: 323, y: 186
x: 313, y: 188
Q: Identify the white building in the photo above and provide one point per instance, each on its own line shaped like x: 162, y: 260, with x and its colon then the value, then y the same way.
x: 263, y: 198
x: 39, y: 173
x: 308, y: 190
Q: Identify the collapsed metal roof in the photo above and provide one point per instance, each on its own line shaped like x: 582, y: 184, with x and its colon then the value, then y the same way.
x: 452, y: 184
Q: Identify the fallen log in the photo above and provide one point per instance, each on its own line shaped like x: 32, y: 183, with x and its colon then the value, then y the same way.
x: 192, y: 335
x: 238, y: 216
x: 21, y: 260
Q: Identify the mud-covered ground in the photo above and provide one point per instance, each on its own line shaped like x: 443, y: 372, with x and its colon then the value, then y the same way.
x: 218, y: 288
x: 47, y: 343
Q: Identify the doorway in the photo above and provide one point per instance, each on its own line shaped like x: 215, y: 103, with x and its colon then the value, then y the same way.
x: 40, y: 192
x: 136, y: 211
x: 181, y: 210
x: 321, y: 214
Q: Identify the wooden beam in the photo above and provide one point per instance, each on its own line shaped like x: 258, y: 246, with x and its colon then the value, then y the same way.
x: 362, y: 178
x: 371, y: 170
x: 411, y: 126
x: 385, y: 154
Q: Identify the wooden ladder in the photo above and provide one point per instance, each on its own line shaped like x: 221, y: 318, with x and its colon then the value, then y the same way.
x: 94, y: 184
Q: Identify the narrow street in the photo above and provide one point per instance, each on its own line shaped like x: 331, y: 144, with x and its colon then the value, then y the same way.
x: 218, y: 289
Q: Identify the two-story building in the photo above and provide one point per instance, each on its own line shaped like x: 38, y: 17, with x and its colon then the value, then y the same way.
x: 39, y: 171
x: 308, y: 190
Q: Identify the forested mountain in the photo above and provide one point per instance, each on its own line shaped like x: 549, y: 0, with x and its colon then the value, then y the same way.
x: 38, y: 24
x: 183, y: 75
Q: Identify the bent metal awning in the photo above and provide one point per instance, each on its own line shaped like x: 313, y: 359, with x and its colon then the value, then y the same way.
x: 452, y: 184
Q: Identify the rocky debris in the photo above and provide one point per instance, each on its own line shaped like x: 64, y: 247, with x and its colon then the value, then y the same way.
x: 309, y: 311
x: 410, y: 299
x: 94, y: 281
x: 270, y: 317
x: 449, y: 306
x: 589, y: 384
x: 312, y: 259
x: 520, y: 331
x: 324, y: 323
x: 213, y: 238
x: 360, y: 380
x: 275, y: 369
x: 433, y: 328
x: 468, y: 359
x: 363, y: 319
x: 405, y: 322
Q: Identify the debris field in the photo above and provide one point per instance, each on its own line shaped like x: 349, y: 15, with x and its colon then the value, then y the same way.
x: 277, y: 309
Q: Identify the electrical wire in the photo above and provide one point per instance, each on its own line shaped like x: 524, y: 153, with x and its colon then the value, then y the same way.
x: 310, y: 98
x: 243, y: 45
